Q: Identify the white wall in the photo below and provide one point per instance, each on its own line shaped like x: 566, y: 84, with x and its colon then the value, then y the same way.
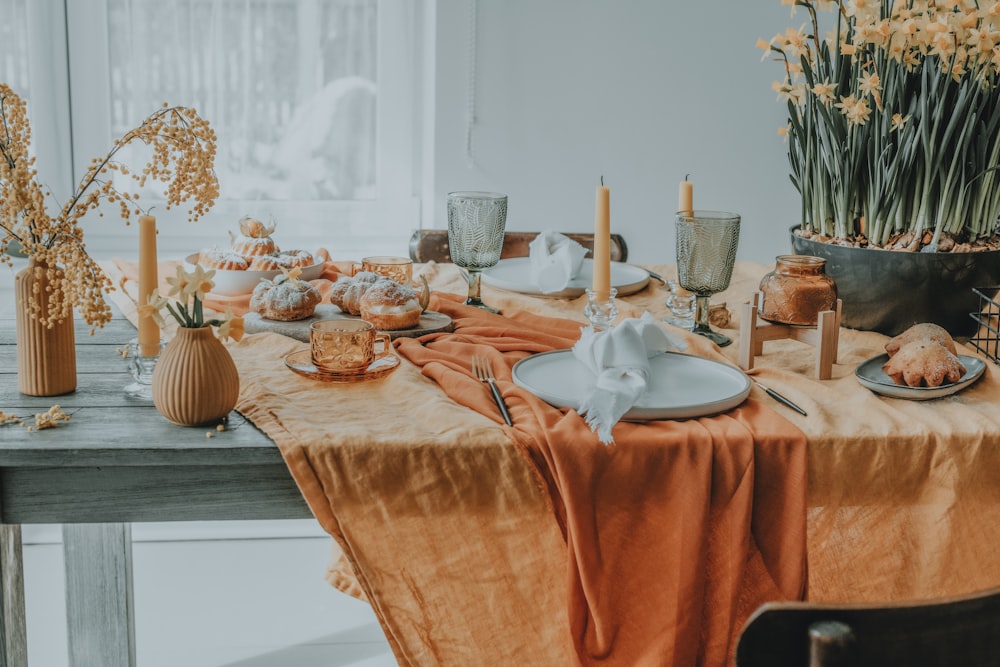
x: 641, y: 91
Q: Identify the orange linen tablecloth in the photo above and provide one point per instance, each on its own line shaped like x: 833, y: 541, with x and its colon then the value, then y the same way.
x: 676, y: 532
x: 903, y: 496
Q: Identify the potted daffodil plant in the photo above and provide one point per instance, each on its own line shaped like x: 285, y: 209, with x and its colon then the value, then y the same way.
x: 893, y: 136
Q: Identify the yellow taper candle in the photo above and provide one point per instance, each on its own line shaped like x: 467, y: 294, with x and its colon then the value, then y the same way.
x: 602, y: 245
x: 685, y: 198
x: 149, y: 333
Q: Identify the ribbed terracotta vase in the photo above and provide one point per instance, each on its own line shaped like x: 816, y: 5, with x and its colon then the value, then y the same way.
x: 46, y: 357
x: 195, y: 381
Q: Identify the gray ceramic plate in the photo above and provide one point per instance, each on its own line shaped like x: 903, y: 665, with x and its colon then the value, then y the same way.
x: 871, y: 375
x: 514, y: 275
x: 680, y: 386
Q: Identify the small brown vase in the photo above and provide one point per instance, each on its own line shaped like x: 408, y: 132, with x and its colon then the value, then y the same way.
x: 46, y: 356
x: 797, y: 291
x: 195, y: 381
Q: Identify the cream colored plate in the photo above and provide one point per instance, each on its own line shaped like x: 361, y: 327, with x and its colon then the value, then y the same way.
x: 680, y: 385
x: 514, y: 275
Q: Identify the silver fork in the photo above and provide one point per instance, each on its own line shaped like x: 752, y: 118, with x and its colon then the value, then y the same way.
x: 481, y: 369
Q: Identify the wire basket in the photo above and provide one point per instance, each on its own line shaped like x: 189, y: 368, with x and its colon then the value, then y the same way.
x: 987, y: 337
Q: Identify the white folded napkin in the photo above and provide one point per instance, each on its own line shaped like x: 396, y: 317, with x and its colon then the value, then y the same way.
x: 619, y: 357
x: 555, y: 260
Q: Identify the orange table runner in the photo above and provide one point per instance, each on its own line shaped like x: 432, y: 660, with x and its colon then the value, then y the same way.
x: 675, y: 533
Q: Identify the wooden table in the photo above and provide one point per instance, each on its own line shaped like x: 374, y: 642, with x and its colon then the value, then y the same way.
x: 904, y: 497
x: 120, y: 463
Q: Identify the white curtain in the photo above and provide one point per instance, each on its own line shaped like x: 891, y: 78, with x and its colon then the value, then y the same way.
x: 288, y: 85
x: 14, y: 38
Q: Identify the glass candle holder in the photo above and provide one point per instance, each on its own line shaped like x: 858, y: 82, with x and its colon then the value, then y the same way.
x: 601, y: 313
x: 681, y: 303
x: 141, y: 367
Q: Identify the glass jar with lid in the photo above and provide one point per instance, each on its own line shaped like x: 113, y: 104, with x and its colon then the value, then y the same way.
x: 797, y: 290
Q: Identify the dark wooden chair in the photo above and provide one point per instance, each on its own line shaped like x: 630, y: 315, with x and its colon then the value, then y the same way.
x: 432, y: 245
x: 963, y: 630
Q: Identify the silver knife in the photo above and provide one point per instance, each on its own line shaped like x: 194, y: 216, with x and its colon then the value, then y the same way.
x: 656, y: 276
x: 781, y: 399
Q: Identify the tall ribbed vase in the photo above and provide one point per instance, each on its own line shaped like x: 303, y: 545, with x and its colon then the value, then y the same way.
x: 46, y: 356
x: 195, y: 381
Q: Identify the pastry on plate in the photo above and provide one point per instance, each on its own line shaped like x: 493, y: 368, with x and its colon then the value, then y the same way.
x: 286, y: 298
x: 379, y: 300
x: 271, y: 263
x: 924, y: 363
x: 254, y: 239
x: 390, y: 306
x: 295, y: 258
x: 227, y: 260
x: 925, y: 331
x: 346, y: 293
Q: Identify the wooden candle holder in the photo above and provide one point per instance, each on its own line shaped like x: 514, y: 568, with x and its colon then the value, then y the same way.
x: 825, y: 336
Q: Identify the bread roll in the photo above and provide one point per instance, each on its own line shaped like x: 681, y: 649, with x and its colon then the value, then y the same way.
x: 286, y: 298
x: 390, y: 306
x: 925, y: 331
x: 924, y: 363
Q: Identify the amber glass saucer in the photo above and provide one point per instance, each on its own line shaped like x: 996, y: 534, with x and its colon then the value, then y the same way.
x: 301, y: 363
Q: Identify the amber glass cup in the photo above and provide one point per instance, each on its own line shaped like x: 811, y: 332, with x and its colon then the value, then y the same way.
x: 343, y: 346
x: 399, y: 269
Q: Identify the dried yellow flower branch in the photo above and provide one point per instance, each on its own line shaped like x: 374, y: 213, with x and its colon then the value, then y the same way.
x: 8, y: 419
x: 43, y: 420
x: 49, y: 419
x: 183, y: 157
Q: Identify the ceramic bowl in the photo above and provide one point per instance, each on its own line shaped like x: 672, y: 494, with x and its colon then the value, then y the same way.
x: 238, y: 283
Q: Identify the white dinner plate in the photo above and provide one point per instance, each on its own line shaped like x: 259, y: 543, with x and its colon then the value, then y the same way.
x: 514, y: 275
x: 680, y: 385
x: 871, y: 375
x: 237, y: 283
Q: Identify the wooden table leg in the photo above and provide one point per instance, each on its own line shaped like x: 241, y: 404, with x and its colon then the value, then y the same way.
x: 99, y: 610
x: 13, y: 638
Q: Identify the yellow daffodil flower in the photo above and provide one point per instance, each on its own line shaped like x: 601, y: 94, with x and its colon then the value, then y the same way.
x: 899, y: 120
x: 857, y: 111
x: 152, y: 309
x: 232, y: 326
x: 824, y: 92
x: 178, y: 283
x: 199, y: 282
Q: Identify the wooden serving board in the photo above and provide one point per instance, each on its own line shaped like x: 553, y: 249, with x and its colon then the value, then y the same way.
x: 430, y: 322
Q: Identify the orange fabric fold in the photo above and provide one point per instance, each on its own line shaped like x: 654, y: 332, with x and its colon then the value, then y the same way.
x: 675, y: 533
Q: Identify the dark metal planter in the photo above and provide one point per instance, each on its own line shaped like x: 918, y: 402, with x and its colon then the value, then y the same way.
x: 889, y: 290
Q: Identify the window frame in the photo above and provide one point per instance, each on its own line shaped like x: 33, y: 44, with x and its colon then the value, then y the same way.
x: 48, y: 101
x: 382, y: 225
